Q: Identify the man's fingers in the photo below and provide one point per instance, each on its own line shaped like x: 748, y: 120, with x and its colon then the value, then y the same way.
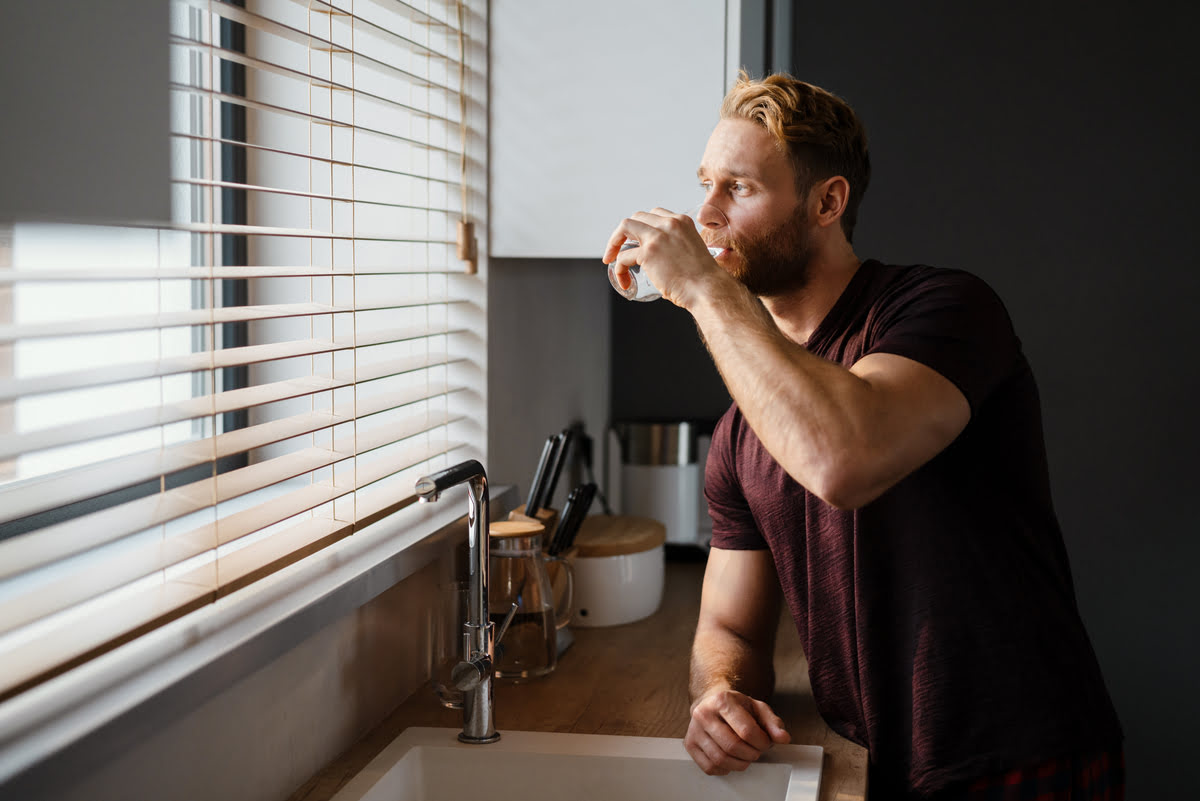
x: 703, y: 760
x: 732, y: 744
x: 772, y: 723
x: 638, y: 226
x: 743, y: 722
x: 712, y: 758
x: 634, y: 227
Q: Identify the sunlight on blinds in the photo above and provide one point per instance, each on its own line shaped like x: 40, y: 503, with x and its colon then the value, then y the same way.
x: 186, y: 410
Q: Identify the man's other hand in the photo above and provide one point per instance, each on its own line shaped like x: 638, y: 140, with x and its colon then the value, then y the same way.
x: 729, y: 730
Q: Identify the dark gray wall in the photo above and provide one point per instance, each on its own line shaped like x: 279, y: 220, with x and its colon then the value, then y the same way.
x: 1050, y: 148
x: 83, y: 91
x: 660, y: 369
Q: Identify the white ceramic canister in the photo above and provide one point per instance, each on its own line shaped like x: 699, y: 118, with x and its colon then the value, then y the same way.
x: 619, y: 567
x: 661, y: 477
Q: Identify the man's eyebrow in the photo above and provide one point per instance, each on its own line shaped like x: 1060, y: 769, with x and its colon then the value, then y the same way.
x: 736, y: 172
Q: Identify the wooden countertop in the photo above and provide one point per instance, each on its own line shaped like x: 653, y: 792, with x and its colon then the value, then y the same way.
x: 628, y: 680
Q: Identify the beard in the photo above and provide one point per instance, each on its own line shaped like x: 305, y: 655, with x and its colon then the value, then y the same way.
x: 777, y: 262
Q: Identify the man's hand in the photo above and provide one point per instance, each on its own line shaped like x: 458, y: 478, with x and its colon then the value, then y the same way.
x: 670, y: 250
x: 729, y: 730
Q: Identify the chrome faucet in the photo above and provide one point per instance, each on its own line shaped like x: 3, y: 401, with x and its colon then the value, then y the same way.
x: 474, y: 674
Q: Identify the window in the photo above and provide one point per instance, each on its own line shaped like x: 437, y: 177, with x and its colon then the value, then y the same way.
x: 185, y: 410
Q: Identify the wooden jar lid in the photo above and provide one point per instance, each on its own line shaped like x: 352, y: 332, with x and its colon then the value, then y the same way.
x: 526, y: 527
x: 617, y: 535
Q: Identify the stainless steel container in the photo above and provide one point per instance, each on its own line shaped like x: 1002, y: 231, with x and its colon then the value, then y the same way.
x: 661, y: 477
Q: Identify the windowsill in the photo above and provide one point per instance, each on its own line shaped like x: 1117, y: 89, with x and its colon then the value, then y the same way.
x: 136, y: 688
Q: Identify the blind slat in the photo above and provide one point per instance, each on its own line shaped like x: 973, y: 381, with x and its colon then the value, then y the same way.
x: 410, y: 12
x: 198, y: 362
x: 288, y: 72
x: 94, y: 480
x: 25, y: 553
x: 245, y: 102
x: 153, y: 416
x: 126, y: 566
x: 65, y: 588
x: 297, y: 36
x: 214, y: 404
x: 113, y: 622
x: 218, y: 316
x: 278, y: 551
x: 108, y: 274
x: 302, y: 233
x: 312, y: 195
x: 195, y: 362
x: 314, y: 158
x: 107, y: 325
x: 122, y: 618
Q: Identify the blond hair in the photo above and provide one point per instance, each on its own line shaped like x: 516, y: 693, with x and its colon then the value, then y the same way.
x: 817, y: 130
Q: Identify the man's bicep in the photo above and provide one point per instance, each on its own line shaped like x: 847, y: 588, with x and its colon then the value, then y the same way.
x: 741, y: 594
x: 915, y: 414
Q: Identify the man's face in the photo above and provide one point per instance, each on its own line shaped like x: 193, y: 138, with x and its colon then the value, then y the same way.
x: 752, y: 209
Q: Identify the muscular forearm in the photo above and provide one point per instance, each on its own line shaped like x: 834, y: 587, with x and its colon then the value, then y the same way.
x: 846, y: 435
x: 722, y: 660
x: 733, y: 662
x: 812, y: 415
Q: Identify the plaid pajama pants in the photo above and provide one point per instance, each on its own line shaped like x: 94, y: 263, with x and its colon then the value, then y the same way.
x: 1096, y: 776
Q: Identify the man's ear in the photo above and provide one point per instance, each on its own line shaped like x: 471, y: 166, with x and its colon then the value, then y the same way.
x: 829, y: 199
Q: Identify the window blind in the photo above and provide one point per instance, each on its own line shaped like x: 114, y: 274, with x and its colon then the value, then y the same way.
x: 186, y: 410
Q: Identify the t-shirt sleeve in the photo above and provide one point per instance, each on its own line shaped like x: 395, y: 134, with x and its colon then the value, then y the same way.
x: 954, y: 323
x: 734, y: 527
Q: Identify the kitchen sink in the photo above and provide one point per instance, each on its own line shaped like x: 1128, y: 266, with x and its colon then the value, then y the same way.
x: 429, y: 764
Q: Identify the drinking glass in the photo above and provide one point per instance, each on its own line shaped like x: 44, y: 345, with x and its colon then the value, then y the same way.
x: 640, y: 287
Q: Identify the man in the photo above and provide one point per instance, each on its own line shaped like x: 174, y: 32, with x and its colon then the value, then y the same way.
x: 882, y: 470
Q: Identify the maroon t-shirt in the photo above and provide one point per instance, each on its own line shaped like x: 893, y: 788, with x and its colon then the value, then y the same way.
x: 939, y: 620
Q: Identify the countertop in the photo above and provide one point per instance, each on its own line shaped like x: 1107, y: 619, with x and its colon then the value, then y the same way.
x: 629, y: 680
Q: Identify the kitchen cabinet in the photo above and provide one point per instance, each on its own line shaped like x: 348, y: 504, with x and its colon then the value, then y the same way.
x: 600, y: 109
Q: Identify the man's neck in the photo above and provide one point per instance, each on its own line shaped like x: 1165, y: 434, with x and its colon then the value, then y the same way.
x: 799, y: 313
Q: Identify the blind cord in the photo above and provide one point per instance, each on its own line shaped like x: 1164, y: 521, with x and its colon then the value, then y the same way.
x: 467, y: 246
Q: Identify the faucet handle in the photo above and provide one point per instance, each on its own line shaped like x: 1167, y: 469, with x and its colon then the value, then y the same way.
x: 504, y: 624
x: 469, y: 675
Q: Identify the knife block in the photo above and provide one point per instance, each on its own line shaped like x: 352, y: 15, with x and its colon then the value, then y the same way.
x: 547, y: 517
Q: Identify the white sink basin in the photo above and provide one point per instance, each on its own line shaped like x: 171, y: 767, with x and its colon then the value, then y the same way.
x: 425, y: 764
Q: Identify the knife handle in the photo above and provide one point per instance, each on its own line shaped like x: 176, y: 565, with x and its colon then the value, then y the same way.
x: 532, y: 504
x: 554, y: 546
x: 560, y: 458
x: 574, y: 511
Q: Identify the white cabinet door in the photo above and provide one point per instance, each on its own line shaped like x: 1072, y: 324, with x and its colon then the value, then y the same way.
x: 598, y: 109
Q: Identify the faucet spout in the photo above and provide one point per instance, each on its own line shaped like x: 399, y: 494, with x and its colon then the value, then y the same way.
x: 478, y: 640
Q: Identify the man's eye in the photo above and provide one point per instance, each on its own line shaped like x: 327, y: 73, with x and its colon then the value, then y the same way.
x: 740, y: 187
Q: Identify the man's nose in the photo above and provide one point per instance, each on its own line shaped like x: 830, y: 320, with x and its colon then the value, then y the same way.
x: 709, y: 216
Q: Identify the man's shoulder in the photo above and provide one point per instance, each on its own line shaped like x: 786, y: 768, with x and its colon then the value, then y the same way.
x: 893, y: 280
